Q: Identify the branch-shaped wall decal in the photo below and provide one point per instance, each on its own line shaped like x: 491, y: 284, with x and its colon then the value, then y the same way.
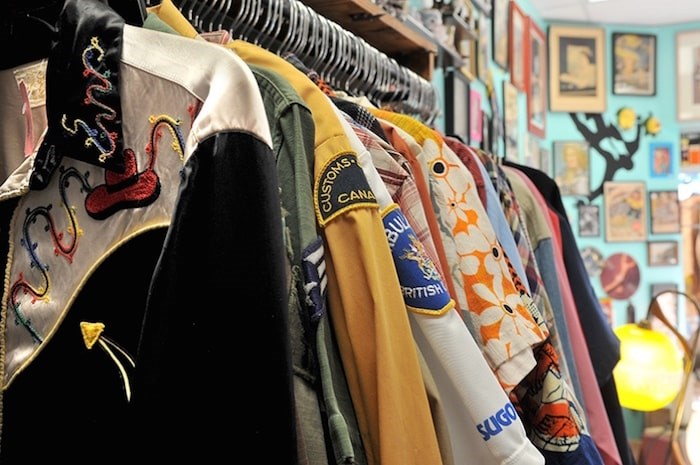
x: 608, y: 141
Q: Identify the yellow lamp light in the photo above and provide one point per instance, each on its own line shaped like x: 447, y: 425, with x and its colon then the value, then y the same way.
x: 649, y: 374
x: 653, y: 371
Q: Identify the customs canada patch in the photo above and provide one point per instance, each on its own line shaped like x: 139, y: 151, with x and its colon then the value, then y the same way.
x: 341, y: 186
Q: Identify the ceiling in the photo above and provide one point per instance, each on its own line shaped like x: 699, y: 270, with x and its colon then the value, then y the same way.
x: 622, y: 12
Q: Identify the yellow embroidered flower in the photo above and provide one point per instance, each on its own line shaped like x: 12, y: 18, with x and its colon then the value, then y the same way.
x: 626, y: 118
x: 652, y: 125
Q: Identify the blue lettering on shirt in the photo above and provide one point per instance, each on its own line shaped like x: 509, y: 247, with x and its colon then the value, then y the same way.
x: 494, y: 424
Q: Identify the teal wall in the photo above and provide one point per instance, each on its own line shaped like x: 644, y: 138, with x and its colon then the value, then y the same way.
x: 561, y: 127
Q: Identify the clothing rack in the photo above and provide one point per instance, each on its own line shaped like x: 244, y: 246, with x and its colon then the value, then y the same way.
x: 347, y: 62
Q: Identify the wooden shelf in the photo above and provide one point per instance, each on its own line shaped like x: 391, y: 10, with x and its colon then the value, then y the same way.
x: 381, y: 30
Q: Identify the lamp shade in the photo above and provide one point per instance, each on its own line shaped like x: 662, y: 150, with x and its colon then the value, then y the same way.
x: 650, y: 371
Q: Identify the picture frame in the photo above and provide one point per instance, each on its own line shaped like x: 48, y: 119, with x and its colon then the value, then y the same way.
x: 625, y: 214
x: 668, y: 304
x: 457, y: 109
x: 577, y: 69
x: 532, y: 151
x: 572, y: 167
x: 475, y: 119
x: 661, y: 160
x: 546, y: 161
x: 656, y: 288
x: 634, y: 64
x: 664, y: 212
x: 483, y: 47
x: 690, y: 149
x: 536, y: 79
x: 510, y: 120
x: 497, y: 125
x: 518, y: 23
x: 662, y: 253
x: 486, y: 133
x: 588, y: 220
x: 688, y: 75
x: 500, y: 37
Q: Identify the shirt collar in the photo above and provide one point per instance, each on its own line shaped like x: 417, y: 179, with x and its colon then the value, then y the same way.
x: 82, y: 99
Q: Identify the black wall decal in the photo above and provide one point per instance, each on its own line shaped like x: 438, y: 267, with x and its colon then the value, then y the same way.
x: 595, y: 130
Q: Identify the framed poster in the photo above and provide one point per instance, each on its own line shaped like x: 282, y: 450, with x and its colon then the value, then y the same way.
x: 577, y: 69
x: 634, y: 64
x: 500, y: 36
x: 625, y: 211
x: 620, y: 276
x: 483, y: 53
x: 516, y: 48
x: 668, y: 302
x: 688, y: 75
x: 496, y: 123
x: 571, y: 167
x: 664, y: 212
x: 546, y: 161
x: 593, y: 261
x: 457, y: 105
x: 532, y: 151
x: 486, y: 145
x: 475, y: 120
x: 662, y: 253
x: 510, y: 121
x: 536, y: 79
x: 661, y: 160
x: 690, y: 149
x: 588, y: 220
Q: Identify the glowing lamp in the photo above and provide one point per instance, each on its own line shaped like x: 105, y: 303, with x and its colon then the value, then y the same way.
x: 653, y: 371
x: 649, y: 374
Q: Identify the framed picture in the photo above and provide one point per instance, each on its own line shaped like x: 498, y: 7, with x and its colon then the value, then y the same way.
x: 483, y: 48
x: 475, y: 119
x: 516, y: 48
x: 510, y: 120
x: 688, y: 75
x: 634, y: 64
x: 571, y: 167
x: 577, y: 69
x: 620, y: 276
x: 664, y: 212
x: 546, y: 161
x: 486, y: 133
x: 625, y: 211
x: 661, y: 160
x: 656, y: 288
x: 536, y: 79
x: 690, y: 149
x: 668, y: 303
x: 588, y: 220
x: 662, y: 253
x: 532, y: 151
x: 457, y: 105
x: 593, y: 261
x: 500, y: 36
x: 496, y: 123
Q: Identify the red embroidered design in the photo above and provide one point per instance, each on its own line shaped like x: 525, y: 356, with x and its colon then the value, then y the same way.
x: 133, y: 188
x: 129, y: 190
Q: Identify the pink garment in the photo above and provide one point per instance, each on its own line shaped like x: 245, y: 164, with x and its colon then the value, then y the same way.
x: 598, y: 422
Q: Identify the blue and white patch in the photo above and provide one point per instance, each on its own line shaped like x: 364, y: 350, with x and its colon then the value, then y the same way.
x: 421, y: 284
